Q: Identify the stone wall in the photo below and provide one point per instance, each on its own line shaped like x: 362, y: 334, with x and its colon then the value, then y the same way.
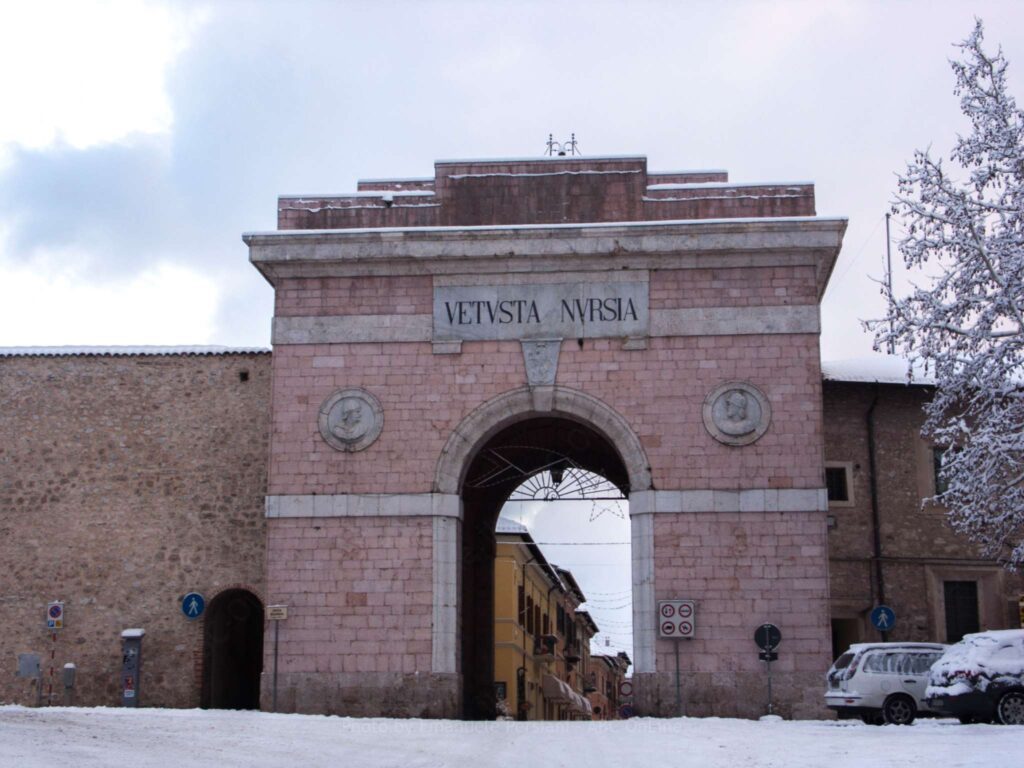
x: 126, y: 482
x: 919, y: 550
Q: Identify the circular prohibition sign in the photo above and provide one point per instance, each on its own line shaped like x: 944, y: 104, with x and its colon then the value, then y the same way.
x: 668, y: 610
x: 685, y: 611
x: 685, y: 627
x: 55, y: 611
x: 668, y: 628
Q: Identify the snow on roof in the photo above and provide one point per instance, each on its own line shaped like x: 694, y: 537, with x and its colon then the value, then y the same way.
x: 362, y: 193
x: 510, y: 526
x: 688, y: 172
x: 539, y: 159
x: 545, y: 173
x: 880, y: 369
x: 134, y: 632
x: 730, y: 184
x: 124, y: 351
x: 301, y: 233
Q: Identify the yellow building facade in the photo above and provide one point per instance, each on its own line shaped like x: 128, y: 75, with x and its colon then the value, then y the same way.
x: 543, y: 668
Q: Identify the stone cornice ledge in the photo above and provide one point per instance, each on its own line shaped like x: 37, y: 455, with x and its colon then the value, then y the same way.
x: 425, y: 249
x: 365, y: 505
x: 751, y: 500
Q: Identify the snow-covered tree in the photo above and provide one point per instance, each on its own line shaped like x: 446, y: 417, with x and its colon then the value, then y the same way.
x: 965, y: 321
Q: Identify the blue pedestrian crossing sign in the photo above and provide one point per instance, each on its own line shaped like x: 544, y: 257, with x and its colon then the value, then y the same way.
x: 883, y: 617
x: 192, y: 605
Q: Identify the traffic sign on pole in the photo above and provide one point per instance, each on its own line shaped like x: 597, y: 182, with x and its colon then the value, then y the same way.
x: 192, y: 605
x: 883, y: 617
x: 55, y: 615
x: 767, y: 637
x: 676, y: 619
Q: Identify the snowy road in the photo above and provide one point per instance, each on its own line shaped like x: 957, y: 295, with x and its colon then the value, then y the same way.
x: 163, y: 738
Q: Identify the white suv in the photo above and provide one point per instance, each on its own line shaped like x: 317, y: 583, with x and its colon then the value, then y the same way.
x: 882, y: 682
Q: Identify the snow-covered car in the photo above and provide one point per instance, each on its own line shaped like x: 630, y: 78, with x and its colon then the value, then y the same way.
x: 882, y: 682
x: 981, y: 678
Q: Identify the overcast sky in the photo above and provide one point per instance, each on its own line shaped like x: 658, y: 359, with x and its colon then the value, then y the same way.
x: 140, y: 140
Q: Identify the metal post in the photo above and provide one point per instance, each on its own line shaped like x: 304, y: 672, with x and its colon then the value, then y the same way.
x: 888, y: 279
x: 679, y: 695
x: 273, y: 703
x: 769, y: 663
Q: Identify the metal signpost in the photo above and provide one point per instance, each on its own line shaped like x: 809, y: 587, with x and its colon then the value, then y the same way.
x: 676, y: 622
x: 276, y: 614
x: 626, y: 699
x: 767, y: 637
x: 54, y: 623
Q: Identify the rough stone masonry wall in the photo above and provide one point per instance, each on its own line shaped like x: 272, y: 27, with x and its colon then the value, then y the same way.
x: 126, y: 482
x: 919, y: 548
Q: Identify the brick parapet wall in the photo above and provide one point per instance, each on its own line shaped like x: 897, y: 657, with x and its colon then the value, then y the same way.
x: 126, y: 482
x: 544, y: 191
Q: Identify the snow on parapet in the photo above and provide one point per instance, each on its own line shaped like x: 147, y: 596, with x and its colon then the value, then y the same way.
x: 541, y: 159
x: 875, y: 369
x: 731, y: 184
x: 363, y: 193
x: 128, y: 351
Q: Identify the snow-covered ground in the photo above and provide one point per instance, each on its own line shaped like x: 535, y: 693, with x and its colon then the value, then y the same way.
x: 166, y: 738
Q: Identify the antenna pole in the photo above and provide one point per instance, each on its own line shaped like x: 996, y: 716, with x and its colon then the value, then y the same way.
x: 888, y: 279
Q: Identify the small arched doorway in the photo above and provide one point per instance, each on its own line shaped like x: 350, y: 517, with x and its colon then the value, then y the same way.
x: 232, y: 651
x: 499, y: 466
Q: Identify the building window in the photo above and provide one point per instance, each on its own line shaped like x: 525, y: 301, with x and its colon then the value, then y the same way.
x: 839, y: 483
x: 545, y: 625
x: 961, y: 600
x: 529, y: 615
x: 941, y: 486
x: 522, y: 606
x: 560, y: 618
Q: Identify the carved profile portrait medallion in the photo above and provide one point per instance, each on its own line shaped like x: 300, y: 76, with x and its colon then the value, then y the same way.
x: 736, y: 413
x: 351, y: 419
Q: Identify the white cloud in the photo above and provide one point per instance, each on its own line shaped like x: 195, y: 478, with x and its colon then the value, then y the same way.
x: 41, y: 305
x: 84, y: 73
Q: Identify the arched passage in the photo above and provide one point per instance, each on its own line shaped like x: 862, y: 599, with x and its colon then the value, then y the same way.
x: 498, y: 466
x: 232, y: 651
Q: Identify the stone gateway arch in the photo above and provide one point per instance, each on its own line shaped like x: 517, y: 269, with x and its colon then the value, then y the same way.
x: 661, y: 329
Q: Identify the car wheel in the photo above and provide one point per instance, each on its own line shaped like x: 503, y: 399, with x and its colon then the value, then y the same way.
x: 1010, y: 709
x: 899, y: 710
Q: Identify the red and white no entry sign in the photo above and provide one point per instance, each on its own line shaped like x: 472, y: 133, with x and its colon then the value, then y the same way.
x: 625, y: 689
x: 677, y: 618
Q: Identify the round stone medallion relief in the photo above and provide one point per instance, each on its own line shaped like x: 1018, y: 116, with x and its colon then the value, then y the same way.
x: 351, y: 419
x: 736, y: 413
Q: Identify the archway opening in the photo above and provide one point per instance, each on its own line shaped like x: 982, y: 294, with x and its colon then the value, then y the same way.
x: 232, y: 651
x: 506, y: 461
